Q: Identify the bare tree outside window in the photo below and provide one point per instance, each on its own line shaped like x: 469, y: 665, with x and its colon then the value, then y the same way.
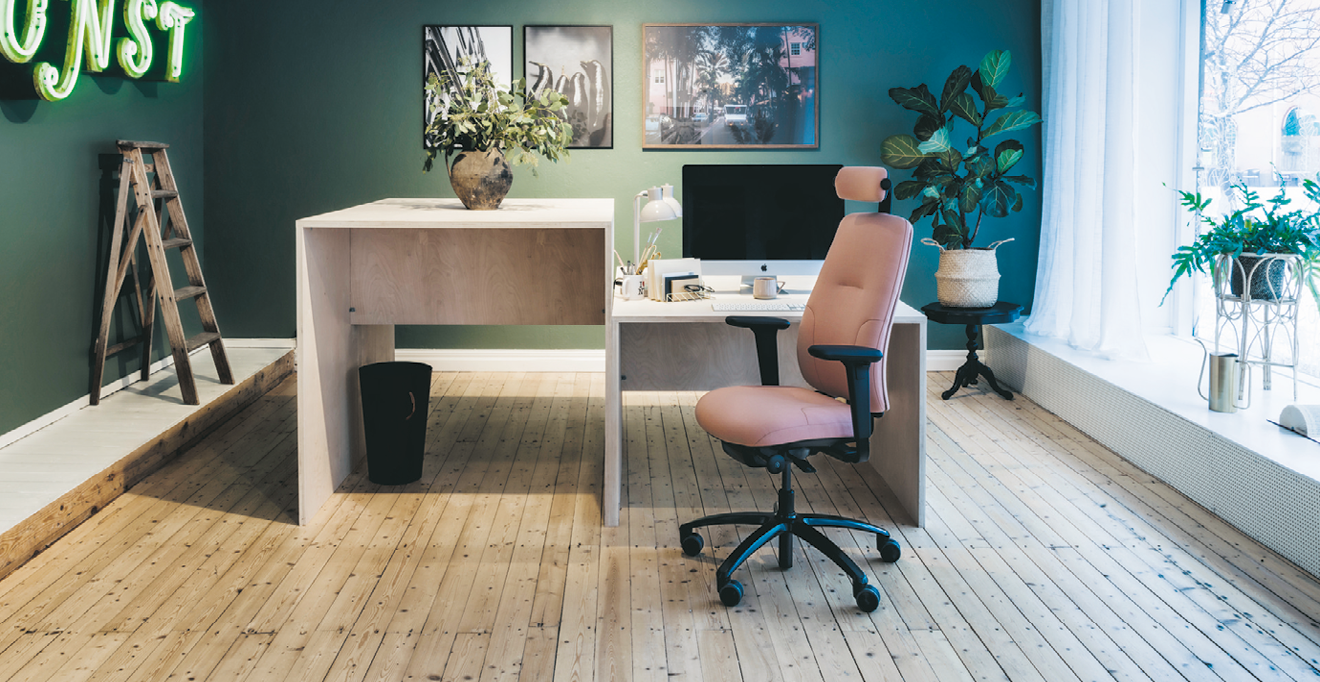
x: 1260, y: 87
x: 1256, y: 55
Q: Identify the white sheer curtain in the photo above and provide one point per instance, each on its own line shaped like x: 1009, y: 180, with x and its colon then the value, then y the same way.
x: 1086, y: 280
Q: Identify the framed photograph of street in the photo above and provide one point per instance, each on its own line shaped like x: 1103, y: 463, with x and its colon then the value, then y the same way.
x: 443, y: 50
x: 578, y: 62
x: 730, y: 86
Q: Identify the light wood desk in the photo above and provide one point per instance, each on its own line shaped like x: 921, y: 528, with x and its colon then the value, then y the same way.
x: 687, y: 346
x: 362, y: 270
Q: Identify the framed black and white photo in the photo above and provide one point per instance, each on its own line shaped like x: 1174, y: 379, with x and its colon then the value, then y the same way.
x: 445, y: 47
x: 730, y: 86
x: 578, y: 62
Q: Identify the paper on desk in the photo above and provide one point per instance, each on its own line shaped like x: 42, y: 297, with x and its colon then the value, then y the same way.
x: 657, y: 269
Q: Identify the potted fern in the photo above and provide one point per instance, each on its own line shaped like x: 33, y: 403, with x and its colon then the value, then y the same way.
x: 482, y: 126
x: 959, y: 186
x: 1251, y: 248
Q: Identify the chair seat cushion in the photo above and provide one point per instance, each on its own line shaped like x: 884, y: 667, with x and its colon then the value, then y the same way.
x: 761, y: 416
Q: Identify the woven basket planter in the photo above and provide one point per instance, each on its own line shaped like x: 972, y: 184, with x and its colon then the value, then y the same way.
x: 967, y: 278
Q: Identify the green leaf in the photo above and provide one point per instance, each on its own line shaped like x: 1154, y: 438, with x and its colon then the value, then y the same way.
x: 955, y: 85
x: 1022, y: 180
x: 994, y: 67
x: 927, y: 125
x: 971, y: 196
x: 1013, y: 120
x: 953, y: 217
x: 938, y: 142
x: 965, y: 107
x: 923, y: 210
x: 980, y: 165
x: 908, y: 189
x: 948, y: 236
x: 901, y: 151
x: 951, y: 158
x: 1017, y: 205
x: 1007, y: 154
x: 916, y: 99
x: 930, y: 193
x: 1017, y: 101
x: 997, y: 198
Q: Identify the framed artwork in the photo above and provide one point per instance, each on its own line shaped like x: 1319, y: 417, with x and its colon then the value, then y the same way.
x: 730, y: 86
x: 444, y: 47
x: 578, y: 62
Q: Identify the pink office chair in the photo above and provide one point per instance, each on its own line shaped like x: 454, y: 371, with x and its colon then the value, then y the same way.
x: 841, y: 342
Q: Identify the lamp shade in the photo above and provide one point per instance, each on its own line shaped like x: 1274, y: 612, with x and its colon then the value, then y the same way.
x: 660, y: 207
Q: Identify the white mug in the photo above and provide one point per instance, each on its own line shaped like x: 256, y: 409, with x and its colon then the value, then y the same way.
x: 766, y: 287
x: 632, y: 287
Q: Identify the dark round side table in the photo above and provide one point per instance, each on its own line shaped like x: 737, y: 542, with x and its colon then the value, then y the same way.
x: 967, y: 375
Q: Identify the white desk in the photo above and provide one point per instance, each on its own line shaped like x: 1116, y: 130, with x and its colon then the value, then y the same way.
x: 687, y: 346
x: 427, y: 261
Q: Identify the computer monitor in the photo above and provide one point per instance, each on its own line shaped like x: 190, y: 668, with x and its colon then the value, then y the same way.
x: 753, y: 220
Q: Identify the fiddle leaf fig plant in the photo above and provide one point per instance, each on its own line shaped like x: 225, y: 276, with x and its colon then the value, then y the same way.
x: 954, y: 182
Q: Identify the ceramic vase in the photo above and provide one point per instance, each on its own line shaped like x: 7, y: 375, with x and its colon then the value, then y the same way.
x: 481, y: 179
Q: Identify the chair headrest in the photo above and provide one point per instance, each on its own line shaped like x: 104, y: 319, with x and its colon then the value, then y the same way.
x: 860, y: 183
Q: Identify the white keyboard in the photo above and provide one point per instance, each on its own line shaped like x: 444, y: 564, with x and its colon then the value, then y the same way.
x: 749, y: 306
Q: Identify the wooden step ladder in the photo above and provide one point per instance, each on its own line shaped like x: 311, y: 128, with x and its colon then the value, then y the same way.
x: 154, y: 197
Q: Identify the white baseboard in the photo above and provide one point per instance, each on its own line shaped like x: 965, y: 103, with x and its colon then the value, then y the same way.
x: 945, y: 360
x: 261, y: 343
x: 115, y: 386
x: 505, y: 359
x: 59, y: 413
x: 573, y: 360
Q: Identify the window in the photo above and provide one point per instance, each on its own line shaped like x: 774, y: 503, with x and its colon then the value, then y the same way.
x: 657, y: 76
x: 1260, y: 84
x: 794, y: 49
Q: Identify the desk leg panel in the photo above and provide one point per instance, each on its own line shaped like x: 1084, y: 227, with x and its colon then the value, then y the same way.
x: 325, y: 355
x: 898, y: 451
x: 611, y: 498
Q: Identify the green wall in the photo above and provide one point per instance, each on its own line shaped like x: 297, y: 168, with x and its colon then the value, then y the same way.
x: 315, y: 106
x: 54, y: 227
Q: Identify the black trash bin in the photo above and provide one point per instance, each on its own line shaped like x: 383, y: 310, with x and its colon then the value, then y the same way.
x: 394, y: 401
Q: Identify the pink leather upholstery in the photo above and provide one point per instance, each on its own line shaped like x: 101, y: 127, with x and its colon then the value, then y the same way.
x: 772, y: 415
x: 854, y: 299
x: 860, y: 183
x: 852, y: 303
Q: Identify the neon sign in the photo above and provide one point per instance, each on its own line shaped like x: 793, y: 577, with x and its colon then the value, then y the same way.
x: 90, y: 31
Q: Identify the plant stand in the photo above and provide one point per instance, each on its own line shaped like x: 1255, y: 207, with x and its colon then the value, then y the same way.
x: 1255, y: 303
x: 973, y: 369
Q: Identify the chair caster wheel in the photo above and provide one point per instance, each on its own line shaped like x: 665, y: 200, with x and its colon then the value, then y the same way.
x: 732, y: 593
x: 868, y: 598
x: 692, y: 544
x: 890, y: 551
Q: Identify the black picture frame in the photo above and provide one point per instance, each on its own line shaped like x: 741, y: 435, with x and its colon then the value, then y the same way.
x: 444, y: 45
x: 578, y: 61
x: 731, y: 86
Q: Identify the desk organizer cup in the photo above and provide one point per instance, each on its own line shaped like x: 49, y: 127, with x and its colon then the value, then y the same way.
x: 631, y: 287
x: 967, y: 278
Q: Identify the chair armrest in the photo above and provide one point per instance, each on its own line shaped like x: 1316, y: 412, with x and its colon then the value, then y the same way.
x: 846, y: 354
x: 767, y: 350
x: 857, y: 361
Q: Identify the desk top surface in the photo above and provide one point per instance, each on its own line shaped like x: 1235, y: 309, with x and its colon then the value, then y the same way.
x: 451, y: 214
x: 796, y: 290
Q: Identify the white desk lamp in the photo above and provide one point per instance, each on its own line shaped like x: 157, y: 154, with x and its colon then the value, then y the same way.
x: 661, y: 206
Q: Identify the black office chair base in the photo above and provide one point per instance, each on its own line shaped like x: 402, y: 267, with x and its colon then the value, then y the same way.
x: 784, y: 524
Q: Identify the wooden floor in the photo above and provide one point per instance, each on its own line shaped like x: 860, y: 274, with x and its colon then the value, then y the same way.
x: 1045, y: 558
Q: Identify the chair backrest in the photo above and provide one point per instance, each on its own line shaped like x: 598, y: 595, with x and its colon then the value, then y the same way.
x: 857, y: 291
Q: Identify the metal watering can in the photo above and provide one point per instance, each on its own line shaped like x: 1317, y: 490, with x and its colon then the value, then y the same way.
x: 1225, y: 372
